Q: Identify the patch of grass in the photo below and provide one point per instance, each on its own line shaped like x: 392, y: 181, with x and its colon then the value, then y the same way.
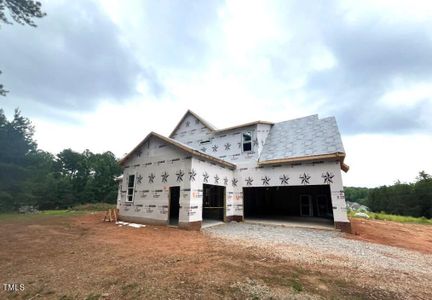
x: 93, y: 297
x: 94, y: 206
x: 297, y: 285
x: 60, y: 212
x: 37, y: 216
x: 74, y: 211
x: 130, y: 288
x: 395, y: 218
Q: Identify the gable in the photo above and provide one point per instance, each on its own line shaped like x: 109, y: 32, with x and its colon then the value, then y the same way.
x: 152, y: 147
x: 189, y: 124
x: 157, y: 145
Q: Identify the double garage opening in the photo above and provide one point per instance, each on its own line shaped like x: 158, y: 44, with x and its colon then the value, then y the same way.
x: 280, y: 203
x: 302, y: 203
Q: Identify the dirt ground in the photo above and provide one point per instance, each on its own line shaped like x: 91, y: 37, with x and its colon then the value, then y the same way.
x: 80, y: 257
x: 416, y: 237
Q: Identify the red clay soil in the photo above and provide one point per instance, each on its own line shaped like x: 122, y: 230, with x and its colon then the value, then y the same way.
x: 416, y: 237
x: 84, y: 258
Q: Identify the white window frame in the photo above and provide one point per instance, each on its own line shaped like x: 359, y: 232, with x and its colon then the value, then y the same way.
x: 247, y: 142
x: 128, y: 188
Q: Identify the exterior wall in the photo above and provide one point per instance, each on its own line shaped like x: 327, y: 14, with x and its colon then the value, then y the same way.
x: 151, y: 198
x: 226, y: 145
x: 208, y: 173
x: 316, y: 174
x: 298, y: 175
x: 191, y: 131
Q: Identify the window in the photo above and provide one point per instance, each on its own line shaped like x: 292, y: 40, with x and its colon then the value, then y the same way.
x: 131, y: 187
x: 247, y: 142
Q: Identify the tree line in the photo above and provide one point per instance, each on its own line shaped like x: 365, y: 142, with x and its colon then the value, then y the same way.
x: 406, y: 199
x: 31, y: 176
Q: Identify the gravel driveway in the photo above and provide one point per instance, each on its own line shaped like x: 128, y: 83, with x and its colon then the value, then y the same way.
x: 394, y: 269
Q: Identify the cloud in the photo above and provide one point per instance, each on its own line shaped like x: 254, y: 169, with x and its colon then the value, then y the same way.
x: 372, y: 54
x: 330, y: 58
x: 340, y: 59
x: 72, y: 60
x: 169, y: 34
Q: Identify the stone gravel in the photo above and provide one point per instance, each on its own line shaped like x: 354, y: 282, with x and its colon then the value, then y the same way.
x: 330, y: 249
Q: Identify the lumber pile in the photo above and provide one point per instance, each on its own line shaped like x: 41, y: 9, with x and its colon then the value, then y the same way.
x: 111, y: 215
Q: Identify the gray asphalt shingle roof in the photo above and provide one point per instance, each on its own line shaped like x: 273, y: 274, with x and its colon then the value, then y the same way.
x: 302, y: 137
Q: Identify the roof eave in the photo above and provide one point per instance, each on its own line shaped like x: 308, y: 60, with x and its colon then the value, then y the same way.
x: 338, y: 156
x: 243, y: 125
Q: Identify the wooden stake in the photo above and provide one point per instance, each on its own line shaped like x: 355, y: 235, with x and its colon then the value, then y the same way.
x: 111, y: 215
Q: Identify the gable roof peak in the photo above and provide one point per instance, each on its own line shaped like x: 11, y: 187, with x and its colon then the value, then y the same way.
x: 180, y: 146
x: 190, y: 112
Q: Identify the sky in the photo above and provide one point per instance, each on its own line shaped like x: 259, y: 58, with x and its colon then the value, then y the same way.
x: 101, y: 75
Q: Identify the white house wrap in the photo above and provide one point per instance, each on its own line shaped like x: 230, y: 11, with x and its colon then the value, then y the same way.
x: 258, y: 169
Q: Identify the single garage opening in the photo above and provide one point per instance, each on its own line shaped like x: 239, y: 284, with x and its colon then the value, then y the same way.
x: 289, y: 202
x: 213, y: 202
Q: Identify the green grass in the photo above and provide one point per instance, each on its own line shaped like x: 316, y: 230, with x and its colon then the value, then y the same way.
x: 296, y: 285
x: 59, y: 212
x: 74, y: 211
x: 42, y: 214
x: 94, y: 206
x: 395, y: 218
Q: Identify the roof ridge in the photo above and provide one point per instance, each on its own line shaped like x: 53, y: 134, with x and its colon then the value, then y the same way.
x: 314, y: 116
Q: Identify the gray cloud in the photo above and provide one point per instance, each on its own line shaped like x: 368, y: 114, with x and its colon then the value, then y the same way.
x: 78, y: 56
x: 174, y: 34
x: 72, y: 60
x: 370, y: 56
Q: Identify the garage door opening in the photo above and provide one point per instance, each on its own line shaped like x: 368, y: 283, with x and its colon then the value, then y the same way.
x: 291, y: 203
x: 213, y: 202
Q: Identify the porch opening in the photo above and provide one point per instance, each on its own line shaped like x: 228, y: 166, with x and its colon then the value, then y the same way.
x: 291, y: 203
x: 174, y: 205
x: 213, y: 207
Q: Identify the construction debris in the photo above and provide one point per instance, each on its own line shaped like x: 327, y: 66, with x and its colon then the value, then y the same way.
x: 111, y: 215
x: 134, y: 225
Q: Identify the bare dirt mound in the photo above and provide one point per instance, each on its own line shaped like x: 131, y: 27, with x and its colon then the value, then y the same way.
x: 416, y: 237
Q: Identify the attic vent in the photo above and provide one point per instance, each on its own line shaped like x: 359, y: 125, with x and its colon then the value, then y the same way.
x: 204, y: 142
